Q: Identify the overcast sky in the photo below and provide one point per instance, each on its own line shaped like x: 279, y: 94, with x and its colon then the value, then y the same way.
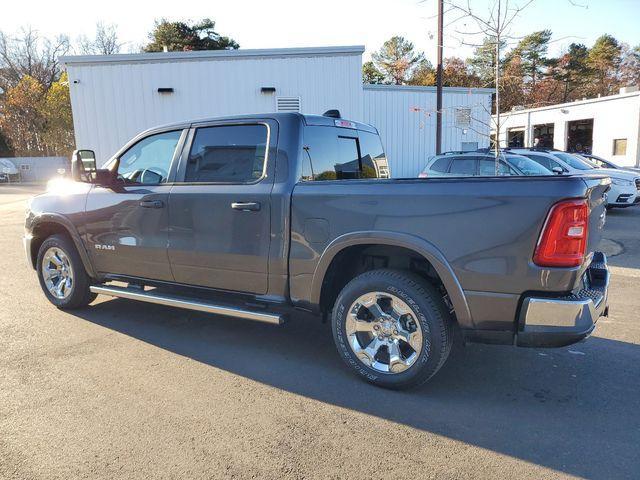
x: 290, y: 23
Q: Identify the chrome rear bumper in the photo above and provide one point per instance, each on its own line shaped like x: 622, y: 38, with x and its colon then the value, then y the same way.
x: 559, y: 321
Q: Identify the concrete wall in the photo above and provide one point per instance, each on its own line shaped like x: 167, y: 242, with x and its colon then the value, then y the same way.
x: 39, y: 169
x: 405, y: 116
x: 115, y: 97
x: 614, y: 117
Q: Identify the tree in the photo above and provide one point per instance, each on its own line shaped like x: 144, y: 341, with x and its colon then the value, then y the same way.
x: 456, y: 73
x: 630, y: 66
x: 423, y: 74
x: 483, y: 61
x: 55, y: 109
x: 512, y: 86
x: 397, y: 60
x: 22, y: 122
x: 30, y: 55
x: 572, y: 71
x: 532, y: 50
x: 604, y: 59
x: 185, y: 36
x: 370, y: 74
x: 104, y: 43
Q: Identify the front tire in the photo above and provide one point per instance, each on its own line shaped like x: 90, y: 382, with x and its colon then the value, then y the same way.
x: 62, y: 275
x: 392, y: 328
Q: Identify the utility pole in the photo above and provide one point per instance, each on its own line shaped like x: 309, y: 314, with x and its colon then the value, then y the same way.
x: 439, y: 79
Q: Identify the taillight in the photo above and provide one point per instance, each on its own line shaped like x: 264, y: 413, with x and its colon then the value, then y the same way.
x: 563, y: 241
x: 422, y: 175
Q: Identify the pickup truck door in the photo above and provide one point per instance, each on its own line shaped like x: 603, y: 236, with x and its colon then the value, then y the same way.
x: 126, y: 228
x: 219, y: 210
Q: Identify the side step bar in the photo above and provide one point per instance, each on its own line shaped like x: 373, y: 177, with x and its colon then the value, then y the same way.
x: 186, y: 303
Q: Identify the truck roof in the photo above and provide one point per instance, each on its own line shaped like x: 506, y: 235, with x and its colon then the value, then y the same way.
x: 314, y: 120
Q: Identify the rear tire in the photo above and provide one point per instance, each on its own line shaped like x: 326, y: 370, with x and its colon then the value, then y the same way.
x: 404, y: 335
x: 62, y: 275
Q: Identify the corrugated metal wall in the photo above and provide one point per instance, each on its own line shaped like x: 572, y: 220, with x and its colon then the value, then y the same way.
x: 113, y: 101
x: 39, y: 169
x: 406, y: 119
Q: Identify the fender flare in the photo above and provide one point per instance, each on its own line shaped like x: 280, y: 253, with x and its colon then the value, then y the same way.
x: 73, y: 233
x: 420, y: 246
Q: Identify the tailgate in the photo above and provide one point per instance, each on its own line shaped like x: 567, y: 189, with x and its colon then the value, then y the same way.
x: 597, y: 187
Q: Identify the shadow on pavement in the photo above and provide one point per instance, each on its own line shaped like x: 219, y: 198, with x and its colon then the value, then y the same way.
x: 575, y: 410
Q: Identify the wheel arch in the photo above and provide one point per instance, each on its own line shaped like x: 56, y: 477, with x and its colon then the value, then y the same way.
x: 45, y: 225
x: 411, y: 243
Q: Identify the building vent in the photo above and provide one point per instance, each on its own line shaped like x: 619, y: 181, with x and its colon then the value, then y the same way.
x: 463, y: 117
x: 287, y: 104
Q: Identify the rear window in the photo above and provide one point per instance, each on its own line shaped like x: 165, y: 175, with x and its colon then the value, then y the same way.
x: 342, y: 154
x: 573, y: 160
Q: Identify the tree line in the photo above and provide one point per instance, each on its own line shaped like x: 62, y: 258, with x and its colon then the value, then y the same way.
x: 35, y: 107
x: 529, y: 76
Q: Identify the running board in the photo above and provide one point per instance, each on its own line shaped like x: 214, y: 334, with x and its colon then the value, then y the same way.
x: 186, y: 303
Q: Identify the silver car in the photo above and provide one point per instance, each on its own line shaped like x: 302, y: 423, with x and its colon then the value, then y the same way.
x: 477, y: 164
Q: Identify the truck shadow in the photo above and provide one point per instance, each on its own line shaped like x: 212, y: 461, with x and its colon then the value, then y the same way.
x: 575, y: 409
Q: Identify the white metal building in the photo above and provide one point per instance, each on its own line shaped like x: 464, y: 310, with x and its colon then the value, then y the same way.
x: 405, y: 116
x: 114, y: 97
x: 606, y: 126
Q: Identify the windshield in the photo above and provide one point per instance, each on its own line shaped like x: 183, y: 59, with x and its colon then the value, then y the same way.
x: 574, y: 161
x: 527, y: 166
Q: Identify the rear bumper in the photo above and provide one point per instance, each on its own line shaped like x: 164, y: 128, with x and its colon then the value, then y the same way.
x: 560, y: 321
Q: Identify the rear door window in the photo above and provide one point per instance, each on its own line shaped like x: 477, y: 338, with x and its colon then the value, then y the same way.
x: 488, y: 167
x: 463, y: 166
x: 227, y: 154
x: 440, y: 165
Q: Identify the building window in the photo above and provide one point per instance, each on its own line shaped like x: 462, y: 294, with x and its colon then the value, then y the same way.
x: 515, y: 137
x: 620, y: 146
x: 463, y: 117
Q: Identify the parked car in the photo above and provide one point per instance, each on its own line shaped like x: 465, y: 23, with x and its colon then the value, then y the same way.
x: 625, y: 186
x: 8, y: 171
x: 261, y: 216
x: 471, y: 164
x: 603, y: 163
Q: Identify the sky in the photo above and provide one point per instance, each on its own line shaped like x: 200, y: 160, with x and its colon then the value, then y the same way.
x: 290, y: 23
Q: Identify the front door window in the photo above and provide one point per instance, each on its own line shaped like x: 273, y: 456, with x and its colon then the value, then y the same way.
x: 148, y: 162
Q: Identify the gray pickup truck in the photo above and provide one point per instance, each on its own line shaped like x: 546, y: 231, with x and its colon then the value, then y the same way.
x: 260, y: 216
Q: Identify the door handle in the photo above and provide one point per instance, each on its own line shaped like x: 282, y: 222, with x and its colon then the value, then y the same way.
x: 246, y: 206
x: 152, y: 204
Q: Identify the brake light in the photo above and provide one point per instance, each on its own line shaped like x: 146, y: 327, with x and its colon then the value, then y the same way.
x: 563, y: 241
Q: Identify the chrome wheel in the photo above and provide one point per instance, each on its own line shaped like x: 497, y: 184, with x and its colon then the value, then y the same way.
x: 383, y: 332
x: 57, y: 273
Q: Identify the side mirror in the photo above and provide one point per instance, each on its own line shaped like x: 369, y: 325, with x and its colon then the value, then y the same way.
x: 557, y: 170
x: 83, y: 168
x: 83, y: 165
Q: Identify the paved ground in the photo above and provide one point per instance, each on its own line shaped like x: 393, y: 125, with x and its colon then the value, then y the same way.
x: 129, y: 390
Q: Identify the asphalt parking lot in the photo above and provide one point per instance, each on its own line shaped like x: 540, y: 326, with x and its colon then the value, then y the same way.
x: 129, y: 390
